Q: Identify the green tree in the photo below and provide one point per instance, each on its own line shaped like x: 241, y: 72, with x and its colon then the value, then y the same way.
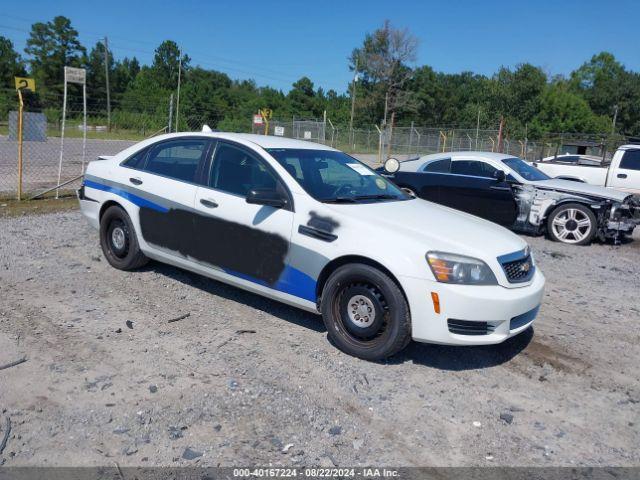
x: 11, y: 65
x: 383, y: 64
x: 562, y: 110
x: 166, y: 63
x: 605, y: 84
x: 51, y: 46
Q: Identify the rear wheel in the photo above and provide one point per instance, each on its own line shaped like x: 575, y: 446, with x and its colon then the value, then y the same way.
x: 572, y: 223
x: 118, y: 240
x: 365, y: 312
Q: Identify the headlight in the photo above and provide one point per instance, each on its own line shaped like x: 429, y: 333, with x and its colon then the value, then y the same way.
x: 452, y: 268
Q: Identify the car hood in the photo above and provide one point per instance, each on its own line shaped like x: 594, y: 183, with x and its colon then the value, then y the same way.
x: 581, y: 188
x: 437, y: 227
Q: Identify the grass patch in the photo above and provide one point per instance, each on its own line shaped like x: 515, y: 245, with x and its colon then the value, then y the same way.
x: 14, y: 208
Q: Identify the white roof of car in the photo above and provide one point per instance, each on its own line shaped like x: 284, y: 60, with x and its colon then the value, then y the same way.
x: 415, y: 165
x: 264, y: 141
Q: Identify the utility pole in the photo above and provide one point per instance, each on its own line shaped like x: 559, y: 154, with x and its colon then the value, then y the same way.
x: 477, y: 128
x: 179, y: 78
x: 353, y: 101
x: 615, y: 118
x: 106, y: 76
x: 170, y: 112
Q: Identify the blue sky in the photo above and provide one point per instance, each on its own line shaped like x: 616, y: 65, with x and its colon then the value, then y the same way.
x: 277, y: 42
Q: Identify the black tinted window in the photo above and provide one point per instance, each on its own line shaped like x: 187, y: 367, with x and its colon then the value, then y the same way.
x: 177, y: 159
x: 237, y: 171
x: 441, y: 166
x: 136, y: 160
x: 472, y: 167
x: 631, y: 160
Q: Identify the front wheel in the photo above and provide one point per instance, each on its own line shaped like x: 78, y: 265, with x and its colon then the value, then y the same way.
x: 365, y: 312
x: 572, y: 223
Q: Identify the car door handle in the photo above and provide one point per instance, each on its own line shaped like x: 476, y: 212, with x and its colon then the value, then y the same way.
x: 208, y: 203
x: 622, y: 175
x: 502, y: 189
x: 135, y: 181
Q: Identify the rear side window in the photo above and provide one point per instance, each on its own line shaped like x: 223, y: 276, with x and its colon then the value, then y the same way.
x: 631, y: 160
x: 237, y: 171
x: 473, y: 168
x: 136, y: 160
x: 440, y: 166
x: 177, y: 159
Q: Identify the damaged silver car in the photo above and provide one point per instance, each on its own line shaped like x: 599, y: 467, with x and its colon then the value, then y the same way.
x: 513, y: 193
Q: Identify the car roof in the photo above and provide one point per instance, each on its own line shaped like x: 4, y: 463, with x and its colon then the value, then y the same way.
x: 416, y: 164
x: 264, y: 141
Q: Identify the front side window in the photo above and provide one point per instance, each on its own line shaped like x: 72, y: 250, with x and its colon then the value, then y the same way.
x: 439, y: 166
x: 237, y: 171
x: 525, y: 170
x: 631, y: 160
x: 473, y: 168
x: 332, y: 176
x: 178, y: 159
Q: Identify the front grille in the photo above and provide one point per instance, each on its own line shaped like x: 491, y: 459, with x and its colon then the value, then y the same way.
x: 518, y: 267
x: 463, y: 327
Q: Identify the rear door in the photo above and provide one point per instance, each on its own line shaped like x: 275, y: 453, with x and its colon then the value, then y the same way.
x: 164, y: 184
x: 244, y: 240
x: 627, y: 175
x: 472, y: 187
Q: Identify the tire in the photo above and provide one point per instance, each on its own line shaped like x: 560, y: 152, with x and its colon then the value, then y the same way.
x: 365, y: 312
x: 120, y: 249
x: 572, y: 223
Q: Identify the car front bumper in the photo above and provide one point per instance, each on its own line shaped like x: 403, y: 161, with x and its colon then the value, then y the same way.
x: 486, y: 314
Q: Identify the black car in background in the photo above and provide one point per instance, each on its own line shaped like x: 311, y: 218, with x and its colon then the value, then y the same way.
x: 511, y: 192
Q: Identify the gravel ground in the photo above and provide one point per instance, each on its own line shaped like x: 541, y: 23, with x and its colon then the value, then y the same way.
x: 244, y: 380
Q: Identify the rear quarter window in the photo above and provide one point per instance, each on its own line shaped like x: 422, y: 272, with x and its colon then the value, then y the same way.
x: 136, y: 160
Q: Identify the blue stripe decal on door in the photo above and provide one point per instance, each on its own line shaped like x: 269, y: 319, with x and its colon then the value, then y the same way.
x: 135, y: 199
x: 291, y: 281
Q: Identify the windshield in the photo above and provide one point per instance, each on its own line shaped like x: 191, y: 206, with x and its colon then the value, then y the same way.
x: 525, y: 170
x: 335, y: 177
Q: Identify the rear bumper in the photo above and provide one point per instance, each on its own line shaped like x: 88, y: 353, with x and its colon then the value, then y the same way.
x: 471, y: 315
x: 89, y: 207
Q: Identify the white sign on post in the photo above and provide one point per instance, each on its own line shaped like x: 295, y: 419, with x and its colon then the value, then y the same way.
x: 257, y: 119
x: 279, y: 131
x: 75, y: 75
x: 307, y: 135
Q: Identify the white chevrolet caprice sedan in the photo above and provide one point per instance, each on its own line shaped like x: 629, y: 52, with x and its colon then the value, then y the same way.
x: 312, y: 227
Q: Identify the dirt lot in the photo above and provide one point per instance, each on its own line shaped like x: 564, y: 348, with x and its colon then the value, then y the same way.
x: 243, y: 380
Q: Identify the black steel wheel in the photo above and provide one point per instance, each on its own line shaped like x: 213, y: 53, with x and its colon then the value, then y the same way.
x: 365, y: 312
x: 118, y: 240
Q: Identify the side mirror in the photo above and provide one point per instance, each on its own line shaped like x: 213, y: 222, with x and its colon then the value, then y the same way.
x: 500, y: 176
x: 392, y: 165
x: 268, y: 197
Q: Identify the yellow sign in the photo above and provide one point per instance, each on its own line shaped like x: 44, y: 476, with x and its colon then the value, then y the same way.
x: 25, y: 84
x: 266, y: 113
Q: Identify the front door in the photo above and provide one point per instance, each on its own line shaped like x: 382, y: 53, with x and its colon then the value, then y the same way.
x: 472, y: 187
x: 627, y: 176
x: 245, y: 240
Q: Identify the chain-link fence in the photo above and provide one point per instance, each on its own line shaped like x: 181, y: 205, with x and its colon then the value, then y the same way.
x: 45, y: 167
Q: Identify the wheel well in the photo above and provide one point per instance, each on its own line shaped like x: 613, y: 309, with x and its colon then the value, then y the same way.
x: 105, y: 205
x: 336, y: 263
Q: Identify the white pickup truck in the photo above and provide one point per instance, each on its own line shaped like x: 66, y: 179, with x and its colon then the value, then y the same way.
x: 623, y: 173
